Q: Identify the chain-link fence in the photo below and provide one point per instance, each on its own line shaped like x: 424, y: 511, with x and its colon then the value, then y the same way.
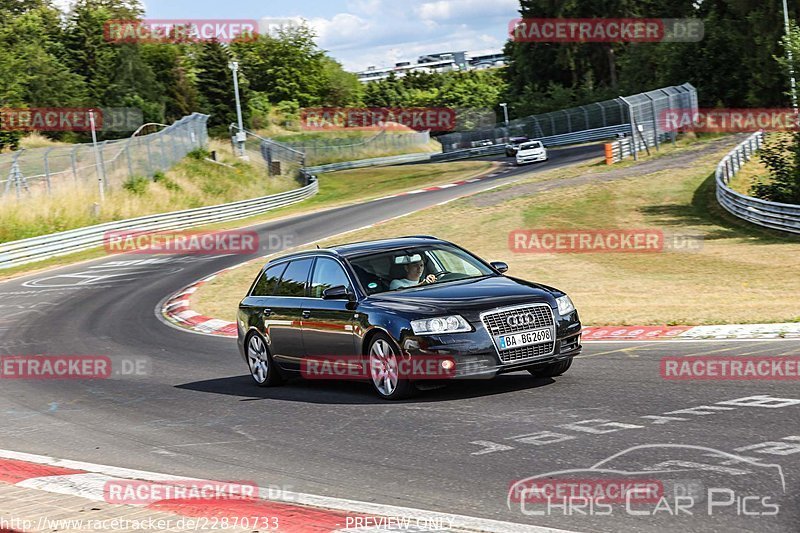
x: 61, y: 168
x: 319, y: 151
x: 643, y: 110
x: 279, y: 159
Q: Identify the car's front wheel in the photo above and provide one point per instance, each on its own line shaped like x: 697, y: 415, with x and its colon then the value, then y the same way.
x: 384, y: 368
x: 551, y: 370
x: 262, y: 369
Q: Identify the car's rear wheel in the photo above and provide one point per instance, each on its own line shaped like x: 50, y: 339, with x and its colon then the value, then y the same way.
x: 552, y: 370
x: 384, y: 369
x: 262, y: 369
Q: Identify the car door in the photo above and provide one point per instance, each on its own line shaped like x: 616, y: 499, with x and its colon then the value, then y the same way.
x: 328, y: 324
x: 257, y: 305
x: 283, y: 318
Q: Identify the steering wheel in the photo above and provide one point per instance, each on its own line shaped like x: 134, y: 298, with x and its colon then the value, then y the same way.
x: 447, y: 276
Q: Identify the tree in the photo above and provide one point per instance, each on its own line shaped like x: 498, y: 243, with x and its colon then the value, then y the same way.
x: 215, y: 85
x: 288, y: 66
x: 175, y: 76
x: 781, y: 156
x: 336, y: 87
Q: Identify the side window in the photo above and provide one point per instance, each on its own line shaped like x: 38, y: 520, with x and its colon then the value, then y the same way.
x: 293, y: 281
x: 265, y: 285
x: 327, y: 273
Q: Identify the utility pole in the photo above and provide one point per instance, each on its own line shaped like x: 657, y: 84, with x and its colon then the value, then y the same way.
x: 101, y: 173
x: 792, y: 86
x: 504, y: 105
x: 241, y: 136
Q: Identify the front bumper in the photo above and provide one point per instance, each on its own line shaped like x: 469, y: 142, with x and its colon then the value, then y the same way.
x: 476, y: 356
x: 531, y: 158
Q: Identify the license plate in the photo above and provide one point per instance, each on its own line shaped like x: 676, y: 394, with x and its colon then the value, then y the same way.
x: 526, y: 338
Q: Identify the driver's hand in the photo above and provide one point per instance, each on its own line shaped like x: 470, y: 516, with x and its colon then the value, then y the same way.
x: 430, y: 278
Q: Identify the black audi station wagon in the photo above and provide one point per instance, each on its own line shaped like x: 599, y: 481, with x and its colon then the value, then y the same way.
x: 391, y: 302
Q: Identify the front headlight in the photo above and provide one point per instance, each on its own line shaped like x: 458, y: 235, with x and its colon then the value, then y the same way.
x: 565, y: 305
x: 442, y: 324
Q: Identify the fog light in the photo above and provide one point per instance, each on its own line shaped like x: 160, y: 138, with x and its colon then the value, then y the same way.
x: 448, y: 364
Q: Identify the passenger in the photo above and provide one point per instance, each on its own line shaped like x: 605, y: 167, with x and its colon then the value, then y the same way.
x: 413, y: 273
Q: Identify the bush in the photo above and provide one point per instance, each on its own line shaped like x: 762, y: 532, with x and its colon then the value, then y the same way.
x: 199, y: 154
x: 136, y: 185
x: 781, y: 155
x: 170, y: 185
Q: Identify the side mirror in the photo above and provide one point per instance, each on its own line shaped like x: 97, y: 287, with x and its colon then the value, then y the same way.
x: 338, y: 292
x: 499, y: 266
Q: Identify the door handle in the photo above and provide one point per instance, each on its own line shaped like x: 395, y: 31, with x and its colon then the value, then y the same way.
x: 306, y: 313
x: 266, y: 312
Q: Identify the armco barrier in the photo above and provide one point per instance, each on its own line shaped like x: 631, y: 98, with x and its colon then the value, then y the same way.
x: 66, y: 242
x: 782, y: 217
x: 373, y: 162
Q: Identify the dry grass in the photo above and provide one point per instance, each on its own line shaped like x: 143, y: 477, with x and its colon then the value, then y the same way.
x: 192, y: 183
x: 37, y: 140
x: 751, y: 173
x: 741, y: 274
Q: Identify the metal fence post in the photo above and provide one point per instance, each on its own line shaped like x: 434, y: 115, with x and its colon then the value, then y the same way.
x: 150, y: 170
x: 633, y: 127
x: 163, y: 143
x: 603, y: 113
x: 128, y: 156
x: 655, y: 121
x: 47, y: 170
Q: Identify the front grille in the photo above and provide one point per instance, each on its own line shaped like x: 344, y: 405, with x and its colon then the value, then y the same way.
x: 496, y: 323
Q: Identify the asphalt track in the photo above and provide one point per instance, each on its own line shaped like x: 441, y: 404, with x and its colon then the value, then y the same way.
x: 192, y: 411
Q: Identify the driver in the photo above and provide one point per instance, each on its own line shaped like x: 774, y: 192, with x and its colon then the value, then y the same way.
x: 413, y: 273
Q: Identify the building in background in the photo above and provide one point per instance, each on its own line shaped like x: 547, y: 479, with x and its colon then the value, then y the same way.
x: 439, y: 62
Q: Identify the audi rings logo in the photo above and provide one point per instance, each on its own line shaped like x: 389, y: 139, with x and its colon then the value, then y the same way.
x: 520, y: 320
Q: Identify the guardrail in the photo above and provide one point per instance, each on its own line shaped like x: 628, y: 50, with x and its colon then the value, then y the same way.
x: 773, y: 215
x: 373, y: 162
x: 66, y: 242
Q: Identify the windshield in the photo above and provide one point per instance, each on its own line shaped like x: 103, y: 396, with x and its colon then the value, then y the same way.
x: 530, y: 146
x: 416, y: 266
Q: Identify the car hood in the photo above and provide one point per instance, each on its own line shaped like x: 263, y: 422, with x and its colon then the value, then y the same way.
x: 468, y: 297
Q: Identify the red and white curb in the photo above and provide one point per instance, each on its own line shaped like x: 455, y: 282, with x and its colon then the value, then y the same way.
x: 293, y: 511
x: 176, y: 310
x: 447, y: 185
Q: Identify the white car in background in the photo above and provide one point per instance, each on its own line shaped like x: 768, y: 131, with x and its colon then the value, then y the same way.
x: 531, y: 152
